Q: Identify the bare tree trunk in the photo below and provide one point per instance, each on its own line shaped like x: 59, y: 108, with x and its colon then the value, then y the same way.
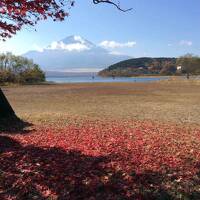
x: 5, y: 108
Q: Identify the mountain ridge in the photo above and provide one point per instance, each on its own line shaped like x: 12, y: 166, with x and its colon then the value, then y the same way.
x: 74, y: 53
x: 142, y: 66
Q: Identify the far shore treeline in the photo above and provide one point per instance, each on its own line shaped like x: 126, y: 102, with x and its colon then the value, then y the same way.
x: 187, y: 64
x: 17, y: 69
x: 20, y: 70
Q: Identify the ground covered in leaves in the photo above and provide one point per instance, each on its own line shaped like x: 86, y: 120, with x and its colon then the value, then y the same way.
x: 101, y: 160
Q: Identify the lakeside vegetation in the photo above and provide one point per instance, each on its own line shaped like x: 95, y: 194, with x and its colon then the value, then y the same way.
x: 17, y: 69
x: 188, y: 64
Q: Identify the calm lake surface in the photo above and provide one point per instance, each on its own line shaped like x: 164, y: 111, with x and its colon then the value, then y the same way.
x: 96, y: 79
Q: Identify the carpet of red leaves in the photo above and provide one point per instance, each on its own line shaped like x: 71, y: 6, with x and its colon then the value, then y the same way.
x: 99, y: 160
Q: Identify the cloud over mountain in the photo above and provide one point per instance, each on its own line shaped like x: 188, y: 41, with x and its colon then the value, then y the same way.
x: 68, y: 47
x: 75, y: 53
x: 112, y: 44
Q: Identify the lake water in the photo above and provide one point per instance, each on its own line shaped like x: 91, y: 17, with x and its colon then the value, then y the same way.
x: 98, y: 79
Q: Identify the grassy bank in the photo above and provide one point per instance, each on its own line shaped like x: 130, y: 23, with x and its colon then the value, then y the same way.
x: 173, y: 100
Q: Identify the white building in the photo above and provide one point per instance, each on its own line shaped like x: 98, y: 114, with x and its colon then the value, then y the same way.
x: 179, y: 68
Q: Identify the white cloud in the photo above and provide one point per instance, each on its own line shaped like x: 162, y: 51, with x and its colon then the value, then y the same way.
x: 79, y: 39
x: 116, y: 53
x: 185, y: 43
x: 38, y: 48
x: 113, y: 44
x: 169, y: 45
x: 69, y: 47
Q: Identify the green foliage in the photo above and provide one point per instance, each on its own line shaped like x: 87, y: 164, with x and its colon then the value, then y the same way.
x: 190, y: 64
x: 154, y: 66
x: 142, y: 66
x: 17, y: 69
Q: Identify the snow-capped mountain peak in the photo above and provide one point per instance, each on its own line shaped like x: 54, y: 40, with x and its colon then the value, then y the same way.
x: 73, y: 52
x: 77, y: 39
x: 71, y: 43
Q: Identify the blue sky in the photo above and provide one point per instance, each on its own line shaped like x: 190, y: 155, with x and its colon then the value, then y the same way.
x: 153, y: 28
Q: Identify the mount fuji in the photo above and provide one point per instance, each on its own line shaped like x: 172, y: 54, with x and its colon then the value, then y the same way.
x: 74, y: 54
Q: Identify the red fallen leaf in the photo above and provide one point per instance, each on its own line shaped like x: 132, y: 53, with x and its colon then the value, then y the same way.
x: 116, y: 159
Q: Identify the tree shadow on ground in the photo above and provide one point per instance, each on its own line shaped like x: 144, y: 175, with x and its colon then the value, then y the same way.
x: 13, y: 124
x: 30, y: 172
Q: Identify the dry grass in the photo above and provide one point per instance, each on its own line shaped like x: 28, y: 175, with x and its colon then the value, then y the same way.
x: 176, y: 101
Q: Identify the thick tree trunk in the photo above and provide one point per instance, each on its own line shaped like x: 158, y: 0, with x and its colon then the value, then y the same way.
x: 5, y: 108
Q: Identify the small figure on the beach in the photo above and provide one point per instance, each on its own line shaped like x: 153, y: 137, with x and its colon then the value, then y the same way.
x: 113, y: 77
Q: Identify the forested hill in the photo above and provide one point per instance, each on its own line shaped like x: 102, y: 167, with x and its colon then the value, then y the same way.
x: 142, y: 66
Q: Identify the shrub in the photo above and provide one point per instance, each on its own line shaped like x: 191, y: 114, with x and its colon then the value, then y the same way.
x: 17, y: 69
x: 33, y: 75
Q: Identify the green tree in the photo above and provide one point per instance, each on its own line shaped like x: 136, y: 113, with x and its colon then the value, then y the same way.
x: 19, y: 69
x: 190, y: 64
x: 33, y: 75
x: 168, y: 68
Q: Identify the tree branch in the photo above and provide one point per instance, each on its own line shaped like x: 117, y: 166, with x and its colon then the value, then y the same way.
x: 111, y: 2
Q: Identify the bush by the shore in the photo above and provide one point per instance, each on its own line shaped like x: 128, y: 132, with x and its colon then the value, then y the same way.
x: 17, y: 69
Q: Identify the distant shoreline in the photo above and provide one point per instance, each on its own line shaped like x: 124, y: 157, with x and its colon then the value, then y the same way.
x: 117, y: 81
